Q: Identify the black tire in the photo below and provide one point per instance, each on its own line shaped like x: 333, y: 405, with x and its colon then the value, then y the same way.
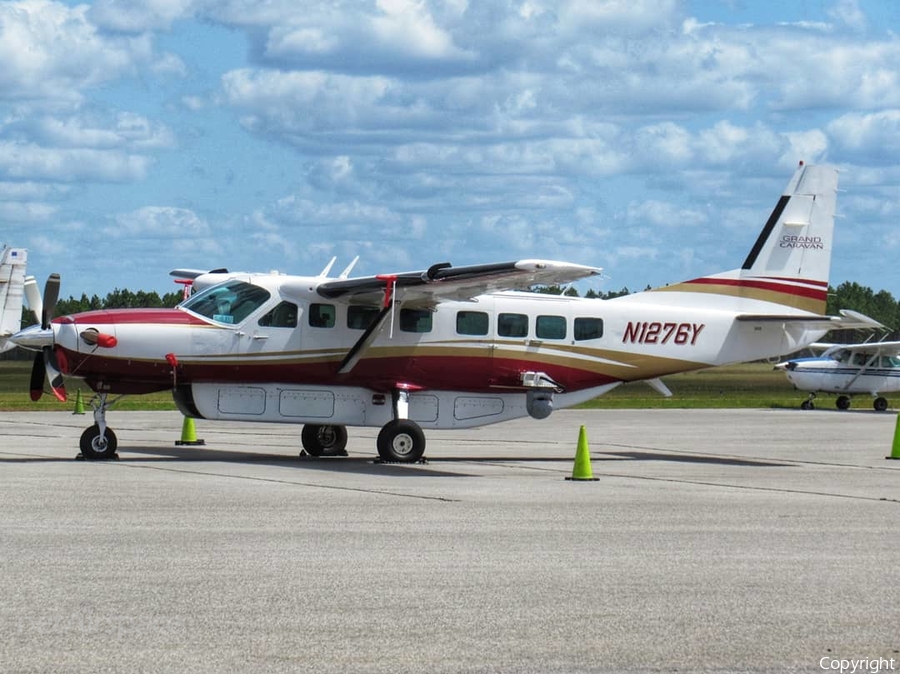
x: 93, y: 448
x: 402, y: 441
x: 843, y: 402
x: 807, y: 405
x: 880, y: 404
x: 324, y: 440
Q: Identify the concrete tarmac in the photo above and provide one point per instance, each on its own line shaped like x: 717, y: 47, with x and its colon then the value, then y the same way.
x: 712, y: 541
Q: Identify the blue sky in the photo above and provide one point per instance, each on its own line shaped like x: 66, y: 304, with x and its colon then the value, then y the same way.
x: 647, y: 137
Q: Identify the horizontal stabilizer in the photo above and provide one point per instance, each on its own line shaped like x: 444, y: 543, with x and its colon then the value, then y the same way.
x: 848, y: 320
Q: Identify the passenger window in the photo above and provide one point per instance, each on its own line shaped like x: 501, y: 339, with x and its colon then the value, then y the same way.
x: 321, y: 315
x: 360, y: 317
x: 512, y: 325
x: 550, y: 327
x: 471, y: 322
x: 588, y: 328
x: 284, y: 315
x: 415, y: 320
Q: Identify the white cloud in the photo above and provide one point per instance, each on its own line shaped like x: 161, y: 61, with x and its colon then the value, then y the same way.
x: 123, y: 130
x: 848, y: 13
x: 878, y: 133
x: 139, y: 16
x: 159, y: 222
x: 31, y: 162
x: 51, y: 52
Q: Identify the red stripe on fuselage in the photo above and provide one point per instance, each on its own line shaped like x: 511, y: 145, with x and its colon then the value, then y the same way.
x: 799, y: 291
x: 456, y: 373
x: 123, y: 316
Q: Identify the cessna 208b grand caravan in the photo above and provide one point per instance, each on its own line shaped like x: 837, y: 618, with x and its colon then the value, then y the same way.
x: 446, y: 347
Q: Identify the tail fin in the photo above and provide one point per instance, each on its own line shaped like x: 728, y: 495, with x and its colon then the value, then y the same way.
x: 789, y: 264
x: 12, y: 285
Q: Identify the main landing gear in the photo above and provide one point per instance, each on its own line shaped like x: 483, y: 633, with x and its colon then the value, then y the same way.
x: 99, y: 442
x: 324, y: 440
x: 399, y: 441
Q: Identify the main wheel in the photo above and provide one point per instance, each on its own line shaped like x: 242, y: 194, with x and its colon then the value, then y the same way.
x: 880, y: 404
x: 843, y: 402
x: 401, y: 440
x: 95, y: 447
x: 324, y: 440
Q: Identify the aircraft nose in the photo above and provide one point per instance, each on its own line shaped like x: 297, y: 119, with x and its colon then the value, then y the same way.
x: 33, y: 338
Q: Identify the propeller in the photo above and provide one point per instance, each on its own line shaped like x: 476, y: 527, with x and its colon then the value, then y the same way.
x: 45, y: 365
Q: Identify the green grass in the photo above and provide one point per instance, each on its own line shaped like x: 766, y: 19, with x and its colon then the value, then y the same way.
x: 751, y: 385
x: 745, y: 385
x: 14, y: 387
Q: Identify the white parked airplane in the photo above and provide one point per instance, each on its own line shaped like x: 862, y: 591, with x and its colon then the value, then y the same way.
x: 847, y: 369
x: 12, y: 288
x: 446, y: 347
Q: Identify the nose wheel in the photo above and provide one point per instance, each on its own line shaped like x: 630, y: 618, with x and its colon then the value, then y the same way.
x: 99, y: 442
x: 98, y: 446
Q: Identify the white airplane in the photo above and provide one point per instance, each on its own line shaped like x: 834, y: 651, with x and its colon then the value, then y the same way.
x: 12, y: 287
x: 442, y: 348
x: 871, y: 368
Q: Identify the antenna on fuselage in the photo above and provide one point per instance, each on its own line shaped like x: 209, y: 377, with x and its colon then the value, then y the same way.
x: 328, y: 267
x: 346, y: 272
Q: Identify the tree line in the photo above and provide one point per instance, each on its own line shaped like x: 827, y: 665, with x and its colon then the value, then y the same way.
x: 881, y: 305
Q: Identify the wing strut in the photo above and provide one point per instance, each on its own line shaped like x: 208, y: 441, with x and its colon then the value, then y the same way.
x: 353, y: 355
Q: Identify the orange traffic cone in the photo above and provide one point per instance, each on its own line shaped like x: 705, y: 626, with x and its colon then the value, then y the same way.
x: 582, y: 469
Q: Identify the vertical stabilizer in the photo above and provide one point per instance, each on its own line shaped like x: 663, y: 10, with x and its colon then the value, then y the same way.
x: 12, y: 284
x: 790, y: 261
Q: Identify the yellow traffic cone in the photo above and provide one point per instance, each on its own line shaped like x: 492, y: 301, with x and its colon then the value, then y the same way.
x: 582, y: 469
x: 189, y: 433
x: 79, y: 403
x: 895, y: 446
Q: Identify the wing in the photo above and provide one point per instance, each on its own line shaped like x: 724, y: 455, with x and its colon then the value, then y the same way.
x: 443, y: 282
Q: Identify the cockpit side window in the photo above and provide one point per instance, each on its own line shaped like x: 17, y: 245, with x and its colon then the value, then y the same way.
x: 284, y: 315
x: 229, y: 302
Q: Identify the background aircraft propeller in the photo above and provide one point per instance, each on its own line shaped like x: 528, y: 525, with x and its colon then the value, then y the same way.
x: 45, y: 366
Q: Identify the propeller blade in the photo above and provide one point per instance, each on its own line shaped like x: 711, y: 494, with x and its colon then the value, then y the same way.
x: 51, y: 295
x: 33, y: 295
x: 54, y: 376
x: 38, y: 374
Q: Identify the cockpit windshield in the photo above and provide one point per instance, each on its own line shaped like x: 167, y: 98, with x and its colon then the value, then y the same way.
x: 229, y: 302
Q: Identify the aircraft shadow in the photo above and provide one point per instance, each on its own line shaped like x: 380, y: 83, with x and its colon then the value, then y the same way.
x: 344, y: 464
x: 369, y: 465
x: 687, y: 458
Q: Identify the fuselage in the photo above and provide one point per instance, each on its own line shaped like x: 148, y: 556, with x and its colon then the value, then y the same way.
x: 275, y: 331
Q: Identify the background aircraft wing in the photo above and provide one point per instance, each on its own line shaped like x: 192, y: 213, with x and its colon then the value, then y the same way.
x: 442, y: 282
x: 874, y: 348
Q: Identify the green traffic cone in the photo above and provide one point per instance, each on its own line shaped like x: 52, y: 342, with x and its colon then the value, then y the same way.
x: 189, y: 433
x: 582, y: 469
x: 79, y: 403
x: 895, y: 446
